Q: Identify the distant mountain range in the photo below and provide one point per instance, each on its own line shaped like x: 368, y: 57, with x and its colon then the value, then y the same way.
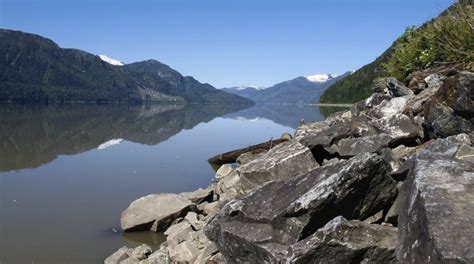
x: 35, y: 69
x: 304, y: 89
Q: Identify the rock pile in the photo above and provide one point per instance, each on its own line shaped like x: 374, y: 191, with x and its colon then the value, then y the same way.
x: 391, y: 180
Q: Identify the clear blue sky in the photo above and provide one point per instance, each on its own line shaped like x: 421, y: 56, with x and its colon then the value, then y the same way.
x: 226, y: 42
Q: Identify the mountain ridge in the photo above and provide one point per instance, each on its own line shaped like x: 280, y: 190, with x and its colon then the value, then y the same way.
x: 36, y: 69
x: 302, y: 89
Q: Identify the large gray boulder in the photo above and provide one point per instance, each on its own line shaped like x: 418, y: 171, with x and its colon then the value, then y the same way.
x: 436, y: 209
x: 282, y: 162
x: 343, y: 241
x: 155, y: 212
x: 396, y: 88
x: 349, y: 147
x: 262, y: 224
x: 323, y: 133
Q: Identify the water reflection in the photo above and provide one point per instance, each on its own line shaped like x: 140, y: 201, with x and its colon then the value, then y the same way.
x: 34, y: 135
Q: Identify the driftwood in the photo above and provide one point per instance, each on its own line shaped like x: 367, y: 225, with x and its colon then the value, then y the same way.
x: 231, y: 156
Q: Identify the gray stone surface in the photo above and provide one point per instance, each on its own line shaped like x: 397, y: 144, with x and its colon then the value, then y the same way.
x: 262, y: 224
x: 141, y: 252
x: 396, y: 88
x: 118, y: 256
x: 155, y: 212
x: 437, y: 206
x: 282, y: 162
x: 343, y: 241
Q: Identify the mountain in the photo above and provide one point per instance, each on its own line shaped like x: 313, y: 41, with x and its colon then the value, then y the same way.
x: 304, y: 89
x: 110, y: 60
x: 35, y: 69
x: 244, y: 91
x: 446, y: 40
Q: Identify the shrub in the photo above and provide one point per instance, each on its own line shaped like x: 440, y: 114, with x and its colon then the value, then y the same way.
x: 449, y: 39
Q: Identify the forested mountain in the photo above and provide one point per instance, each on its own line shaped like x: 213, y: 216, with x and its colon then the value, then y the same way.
x: 304, y: 89
x: 445, y: 40
x: 35, y: 69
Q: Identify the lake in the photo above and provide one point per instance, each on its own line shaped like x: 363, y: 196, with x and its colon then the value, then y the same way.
x: 67, y: 171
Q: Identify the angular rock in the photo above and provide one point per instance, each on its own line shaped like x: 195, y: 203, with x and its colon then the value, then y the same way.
x: 130, y: 260
x: 192, y: 218
x: 200, y: 195
x: 349, y: 147
x: 373, y: 100
x: 158, y: 257
x: 458, y: 93
x: 389, y: 108
x: 211, y: 208
x: 399, y: 127
x: 178, y: 233
x: 223, y: 171
x: 141, y: 252
x: 282, y: 162
x: 437, y: 206
x: 443, y: 122
x: 434, y: 81
x: 397, y: 89
x: 155, y: 212
x: 342, y: 241
x: 185, y: 252
x: 209, y: 250
x: 119, y: 255
x: 262, y: 224
x: 247, y: 157
x: 323, y: 133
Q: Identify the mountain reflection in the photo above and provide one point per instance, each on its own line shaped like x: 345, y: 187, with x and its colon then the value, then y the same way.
x: 289, y: 115
x: 34, y: 135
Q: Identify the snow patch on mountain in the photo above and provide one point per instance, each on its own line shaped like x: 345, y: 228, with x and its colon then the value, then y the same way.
x: 111, y: 61
x: 320, y: 78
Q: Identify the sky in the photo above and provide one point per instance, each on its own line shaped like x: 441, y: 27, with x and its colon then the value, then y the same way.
x: 226, y: 42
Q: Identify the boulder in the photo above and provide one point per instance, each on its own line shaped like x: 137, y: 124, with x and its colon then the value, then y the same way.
x: 373, y: 100
x: 211, y: 208
x: 323, y: 133
x: 458, y: 93
x: 343, y: 241
x: 178, y: 233
x: 443, y: 122
x: 185, y: 252
x: 155, y: 212
x: 158, y: 257
x: 130, y: 260
x: 262, y: 224
x: 192, y: 218
x: 247, y: 157
x: 349, y: 147
x: 400, y: 128
x: 118, y: 256
x: 141, y: 252
x: 200, y: 195
x: 282, y: 162
x: 437, y: 205
x: 223, y: 171
x: 396, y: 88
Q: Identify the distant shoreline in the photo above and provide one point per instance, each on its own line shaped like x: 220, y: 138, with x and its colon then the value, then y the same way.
x: 339, y: 105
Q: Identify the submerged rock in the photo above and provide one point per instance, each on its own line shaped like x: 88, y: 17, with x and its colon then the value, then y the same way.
x: 343, y: 241
x: 155, y: 212
x: 436, y: 210
x: 262, y: 224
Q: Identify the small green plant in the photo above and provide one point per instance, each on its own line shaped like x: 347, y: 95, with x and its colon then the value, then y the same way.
x: 449, y: 39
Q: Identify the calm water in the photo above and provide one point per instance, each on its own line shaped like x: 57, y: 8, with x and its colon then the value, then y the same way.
x: 66, y: 172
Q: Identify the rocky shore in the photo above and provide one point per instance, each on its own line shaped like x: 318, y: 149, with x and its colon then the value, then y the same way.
x: 389, y: 181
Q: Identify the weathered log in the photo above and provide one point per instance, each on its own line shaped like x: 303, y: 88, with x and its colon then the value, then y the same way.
x: 231, y: 156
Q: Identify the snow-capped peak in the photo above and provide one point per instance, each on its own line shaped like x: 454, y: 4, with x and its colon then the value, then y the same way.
x: 243, y: 87
x: 320, y: 78
x: 110, y: 60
